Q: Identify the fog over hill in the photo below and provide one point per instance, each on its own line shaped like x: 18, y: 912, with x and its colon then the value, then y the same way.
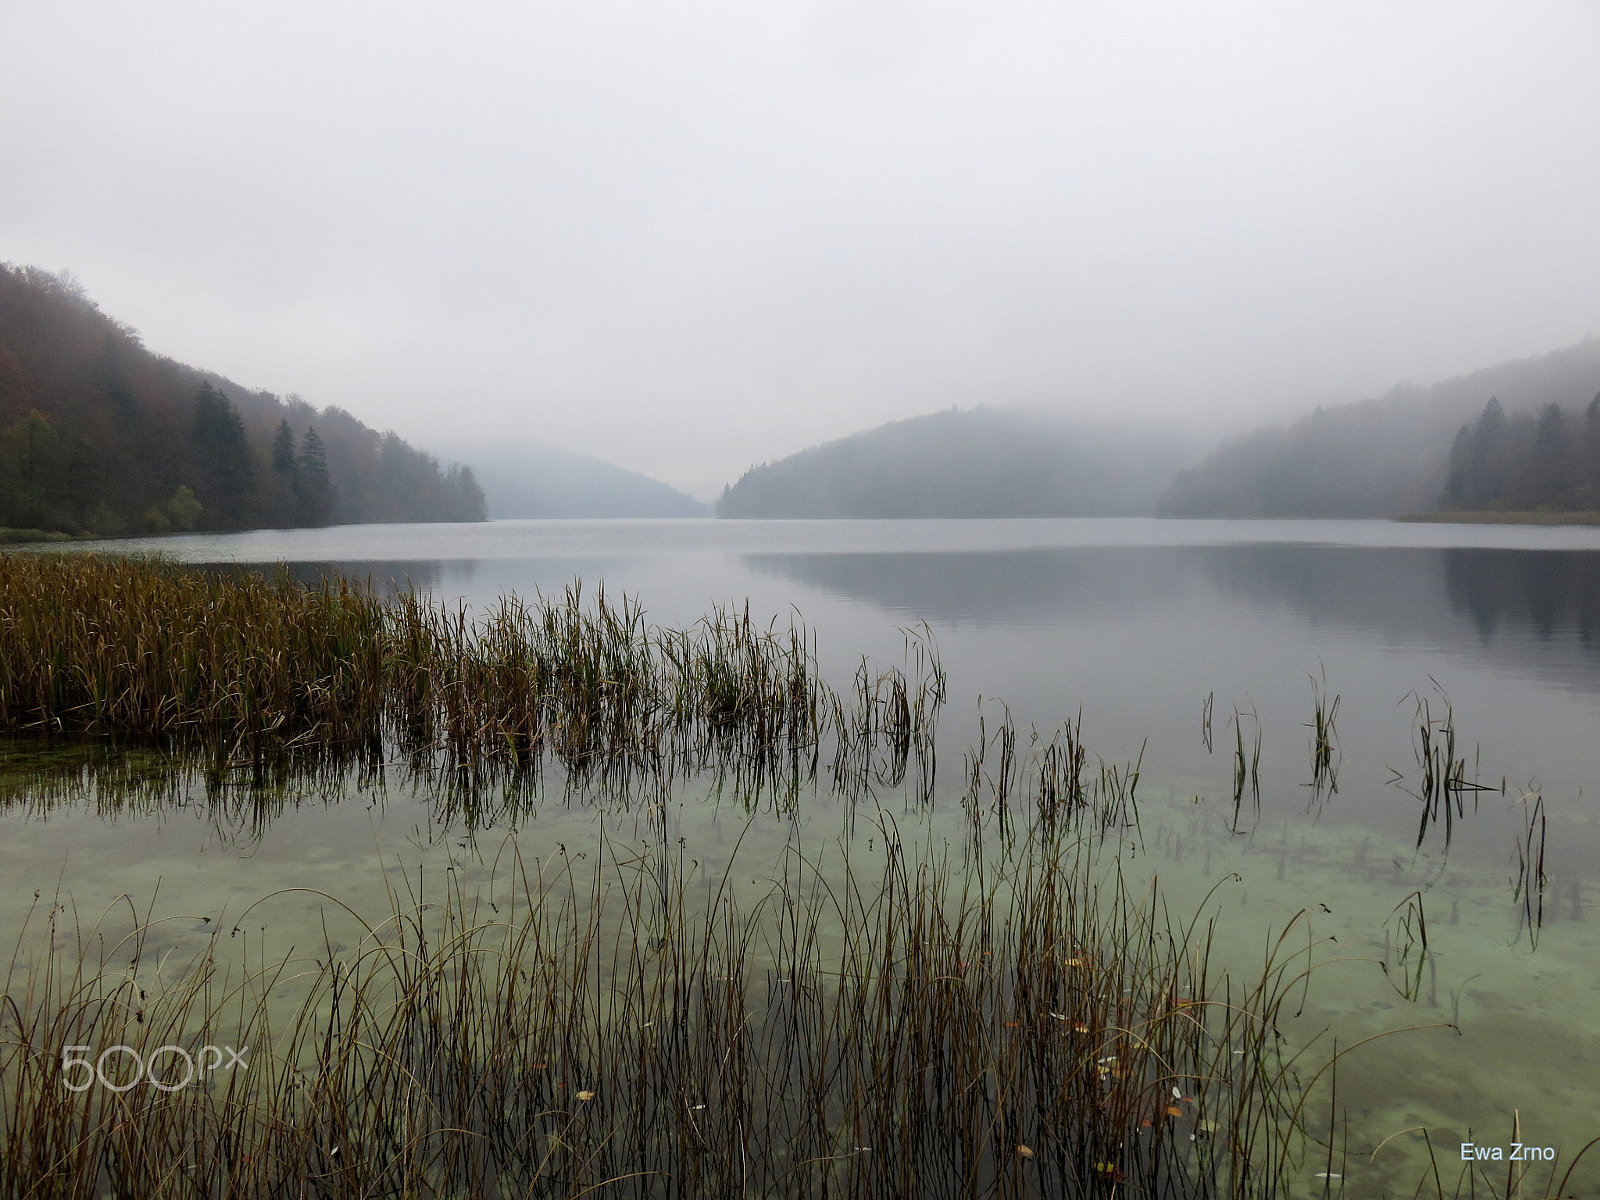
x: 529, y: 479
x: 983, y: 462
x: 1376, y: 458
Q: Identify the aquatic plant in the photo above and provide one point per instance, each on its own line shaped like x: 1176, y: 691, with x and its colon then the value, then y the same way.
x: 1324, y: 736
x: 1444, y: 786
x: 1246, y: 770
x: 1531, y: 883
x: 631, y: 1025
x: 245, y: 672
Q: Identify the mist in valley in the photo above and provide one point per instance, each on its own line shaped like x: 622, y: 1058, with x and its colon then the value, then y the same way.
x: 688, y: 242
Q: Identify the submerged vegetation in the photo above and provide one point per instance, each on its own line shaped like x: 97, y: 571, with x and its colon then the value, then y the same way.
x: 636, y: 1028
x: 1009, y: 1011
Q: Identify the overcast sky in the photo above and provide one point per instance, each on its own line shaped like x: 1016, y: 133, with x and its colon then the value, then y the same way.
x: 691, y: 236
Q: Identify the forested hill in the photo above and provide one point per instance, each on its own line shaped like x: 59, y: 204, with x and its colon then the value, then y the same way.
x: 99, y: 435
x: 1377, y: 458
x: 1545, y: 461
x: 976, y: 463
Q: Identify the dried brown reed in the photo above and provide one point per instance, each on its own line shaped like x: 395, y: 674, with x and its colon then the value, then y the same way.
x: 248, y: 672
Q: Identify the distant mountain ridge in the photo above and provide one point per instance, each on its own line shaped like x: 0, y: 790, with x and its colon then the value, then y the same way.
x: 982, y: 462
x: 1375, y: 458
x: 535, y: 480
x: 99, y: 435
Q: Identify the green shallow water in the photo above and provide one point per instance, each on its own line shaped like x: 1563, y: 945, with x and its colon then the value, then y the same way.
x: 1135, y: 631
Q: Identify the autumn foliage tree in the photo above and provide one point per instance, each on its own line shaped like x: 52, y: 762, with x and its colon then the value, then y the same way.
x: 98, y: 435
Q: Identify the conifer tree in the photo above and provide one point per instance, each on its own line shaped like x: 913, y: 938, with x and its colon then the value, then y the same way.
x: 280, y: 491
x: 1547, y: 477
x: 316, y: 486
x: 1589, y: 457
x: 224, y: 458
x: 284, y: 461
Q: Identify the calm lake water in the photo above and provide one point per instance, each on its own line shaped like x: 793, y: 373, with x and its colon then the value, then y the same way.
x: 1143, y: 627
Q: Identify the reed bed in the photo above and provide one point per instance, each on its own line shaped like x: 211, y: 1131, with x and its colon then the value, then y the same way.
x: 1054, y: 783
x: 247, y: 671
x: 628, y: 1026
x: 120, y: 646
x: 1025, y: 1022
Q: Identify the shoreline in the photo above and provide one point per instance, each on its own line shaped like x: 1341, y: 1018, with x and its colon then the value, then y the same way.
x: 1507, y: 517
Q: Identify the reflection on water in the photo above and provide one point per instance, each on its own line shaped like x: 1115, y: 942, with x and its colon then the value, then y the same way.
x: 1550, y: 596
x: 990, y: 588
x: 1137, y: 632
x: 1539, y: 609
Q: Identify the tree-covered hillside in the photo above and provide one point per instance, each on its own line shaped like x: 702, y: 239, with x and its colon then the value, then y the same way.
x: 1547, y: 461
x: 1376, y: 458
x: 977, y: 463
x: 99, y: 435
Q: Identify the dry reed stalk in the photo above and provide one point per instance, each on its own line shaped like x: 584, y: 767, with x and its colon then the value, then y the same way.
x: 248, y: 673
x: 636, y: 1027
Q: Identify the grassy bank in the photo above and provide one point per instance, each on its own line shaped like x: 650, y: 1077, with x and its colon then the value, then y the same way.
x: 1505, y: 518
x: 10, y: 536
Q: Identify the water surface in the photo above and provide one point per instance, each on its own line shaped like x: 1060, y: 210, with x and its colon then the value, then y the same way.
x: 1143, y: 628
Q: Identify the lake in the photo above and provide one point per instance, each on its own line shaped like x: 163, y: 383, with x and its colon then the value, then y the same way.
x: 1197, y: 650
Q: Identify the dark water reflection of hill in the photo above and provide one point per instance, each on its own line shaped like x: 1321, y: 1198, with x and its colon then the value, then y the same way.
x: 1002, y: 587
x: 1529, y: 608
x: 1549, y: 595
x: 1521, y: 609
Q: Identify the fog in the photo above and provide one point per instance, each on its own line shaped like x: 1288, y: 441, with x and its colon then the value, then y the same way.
x: 689, y: 237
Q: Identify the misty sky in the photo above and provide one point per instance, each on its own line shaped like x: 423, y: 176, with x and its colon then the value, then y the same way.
x: 690, y: 236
